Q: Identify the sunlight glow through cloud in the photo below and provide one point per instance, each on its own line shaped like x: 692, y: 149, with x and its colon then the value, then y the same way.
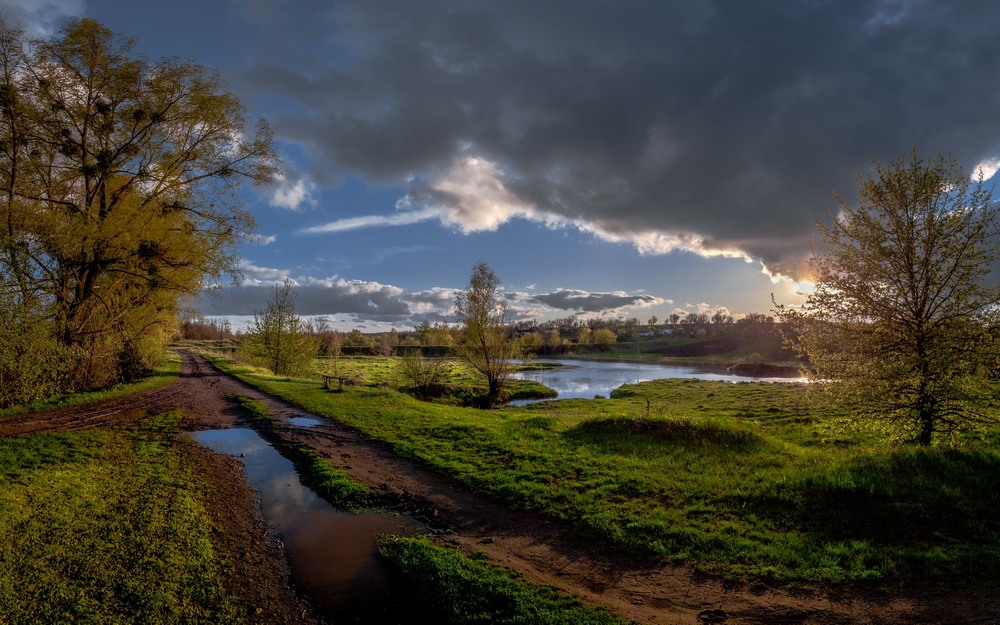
x: 987, y: 169
x: 473, y: 197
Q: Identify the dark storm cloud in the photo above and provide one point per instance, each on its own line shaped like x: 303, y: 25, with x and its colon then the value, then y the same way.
x: 726, y: 124
x: 368, y: 300
x: 571, y: 299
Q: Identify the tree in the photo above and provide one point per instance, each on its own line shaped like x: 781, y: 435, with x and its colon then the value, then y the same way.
x: 531, y: 342
x: 486, y: 344
x: 604, y: 339
x: 553, y: 340
x: 901, y: 316
x: 119, y: 186
x: 278, y: 338
x: 721, y: 317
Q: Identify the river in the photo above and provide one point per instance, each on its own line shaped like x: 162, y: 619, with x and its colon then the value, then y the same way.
x: 587, y: 378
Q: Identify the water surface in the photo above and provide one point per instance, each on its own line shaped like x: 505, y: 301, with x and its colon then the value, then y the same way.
x: 331, y: 553
x: 587, y: 378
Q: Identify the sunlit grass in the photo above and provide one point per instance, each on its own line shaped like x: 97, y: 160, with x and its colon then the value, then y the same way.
x: 750, y: 481
x: 333, y: 484
x: 106, y: 527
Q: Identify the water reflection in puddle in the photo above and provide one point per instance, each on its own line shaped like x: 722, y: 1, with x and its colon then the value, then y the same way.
x: 305, y: 422
x: 331, y: 553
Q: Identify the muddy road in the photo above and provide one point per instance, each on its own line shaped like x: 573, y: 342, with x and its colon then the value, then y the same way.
x: 536, y: 547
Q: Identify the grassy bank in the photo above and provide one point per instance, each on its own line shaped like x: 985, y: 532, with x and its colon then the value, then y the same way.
x: 168, y: 371
x: 464, y: 383
x: 749, y: 481
x: 106, y: 527
x: 443, y: 586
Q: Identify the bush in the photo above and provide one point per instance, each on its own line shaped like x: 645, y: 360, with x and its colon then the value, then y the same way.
x: 32, y: 364
x: 424, y: 378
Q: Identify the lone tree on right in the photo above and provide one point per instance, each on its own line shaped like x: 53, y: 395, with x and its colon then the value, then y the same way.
x: 902, y: 316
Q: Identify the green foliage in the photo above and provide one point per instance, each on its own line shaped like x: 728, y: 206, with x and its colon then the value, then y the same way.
x: 32, y: 363
x: 902, y: 317
x: 486, y: 344
x: 167, y: 370
x: 119, y: 193
x: 735, y: 478
x: 278, y: 339
x: 106, y: 527
x: 444, y: 586
x: 257, y: 410
x: 334, y: 485
x: 603, y: 339
x: 424, y: 377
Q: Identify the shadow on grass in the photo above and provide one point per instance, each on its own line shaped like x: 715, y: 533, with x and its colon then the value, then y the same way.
x: 935, y: 509
x: 645, y: 434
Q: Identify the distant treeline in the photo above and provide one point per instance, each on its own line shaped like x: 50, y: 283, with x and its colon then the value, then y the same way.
x: 554, y: 337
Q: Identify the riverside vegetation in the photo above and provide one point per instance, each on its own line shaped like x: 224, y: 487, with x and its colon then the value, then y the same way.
x: 754, y: 482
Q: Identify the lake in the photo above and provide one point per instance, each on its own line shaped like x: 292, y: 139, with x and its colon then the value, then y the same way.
x: 586, y: 378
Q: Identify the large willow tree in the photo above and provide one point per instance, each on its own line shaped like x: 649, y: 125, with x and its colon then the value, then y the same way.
x: 902, y: 318
x: 118, y: 192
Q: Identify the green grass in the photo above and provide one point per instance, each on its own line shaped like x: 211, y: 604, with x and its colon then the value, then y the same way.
x: 334, y: 485
x: 444, y: 586
x: 168, y: 371
x: 257, y: 410
x: 750, y: 481
x: 384, y: 372
x: 106, y: 527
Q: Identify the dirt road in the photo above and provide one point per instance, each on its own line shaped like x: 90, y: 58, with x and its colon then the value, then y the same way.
x: 535, y: 546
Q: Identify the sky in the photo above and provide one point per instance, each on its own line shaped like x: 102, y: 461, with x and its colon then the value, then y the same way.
x: 614, y: 159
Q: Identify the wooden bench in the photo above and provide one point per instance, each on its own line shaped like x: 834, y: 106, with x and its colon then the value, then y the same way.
x: 327, y: 379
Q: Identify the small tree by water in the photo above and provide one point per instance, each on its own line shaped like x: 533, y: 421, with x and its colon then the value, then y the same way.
x: 278, y: 338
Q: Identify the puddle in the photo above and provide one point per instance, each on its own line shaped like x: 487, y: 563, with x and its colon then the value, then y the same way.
x: 331, y: 553
x: 305, y: 422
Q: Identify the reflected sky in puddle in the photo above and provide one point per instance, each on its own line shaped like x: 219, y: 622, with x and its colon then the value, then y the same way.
x: 332, y: 553
x: 305, y: 422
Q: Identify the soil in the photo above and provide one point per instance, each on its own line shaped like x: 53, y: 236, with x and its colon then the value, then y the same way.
x: 537, y: 547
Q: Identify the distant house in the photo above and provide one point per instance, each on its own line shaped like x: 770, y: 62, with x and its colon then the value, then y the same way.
x: 666, y: 331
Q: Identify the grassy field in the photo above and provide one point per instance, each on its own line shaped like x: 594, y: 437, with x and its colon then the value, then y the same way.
x: 107, y: 527
x: 749, y: 481
x: 387, y: 373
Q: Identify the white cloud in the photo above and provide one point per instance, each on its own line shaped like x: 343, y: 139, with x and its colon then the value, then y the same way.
x: 370, y: 221
x: 41, y: 18
x: 353, y: 287
x: 257, y: 276
x: 987, y: 169
x: 292, y: 194
x: 473, y: 197
x: 260, y: 239
x: 654, y: 243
